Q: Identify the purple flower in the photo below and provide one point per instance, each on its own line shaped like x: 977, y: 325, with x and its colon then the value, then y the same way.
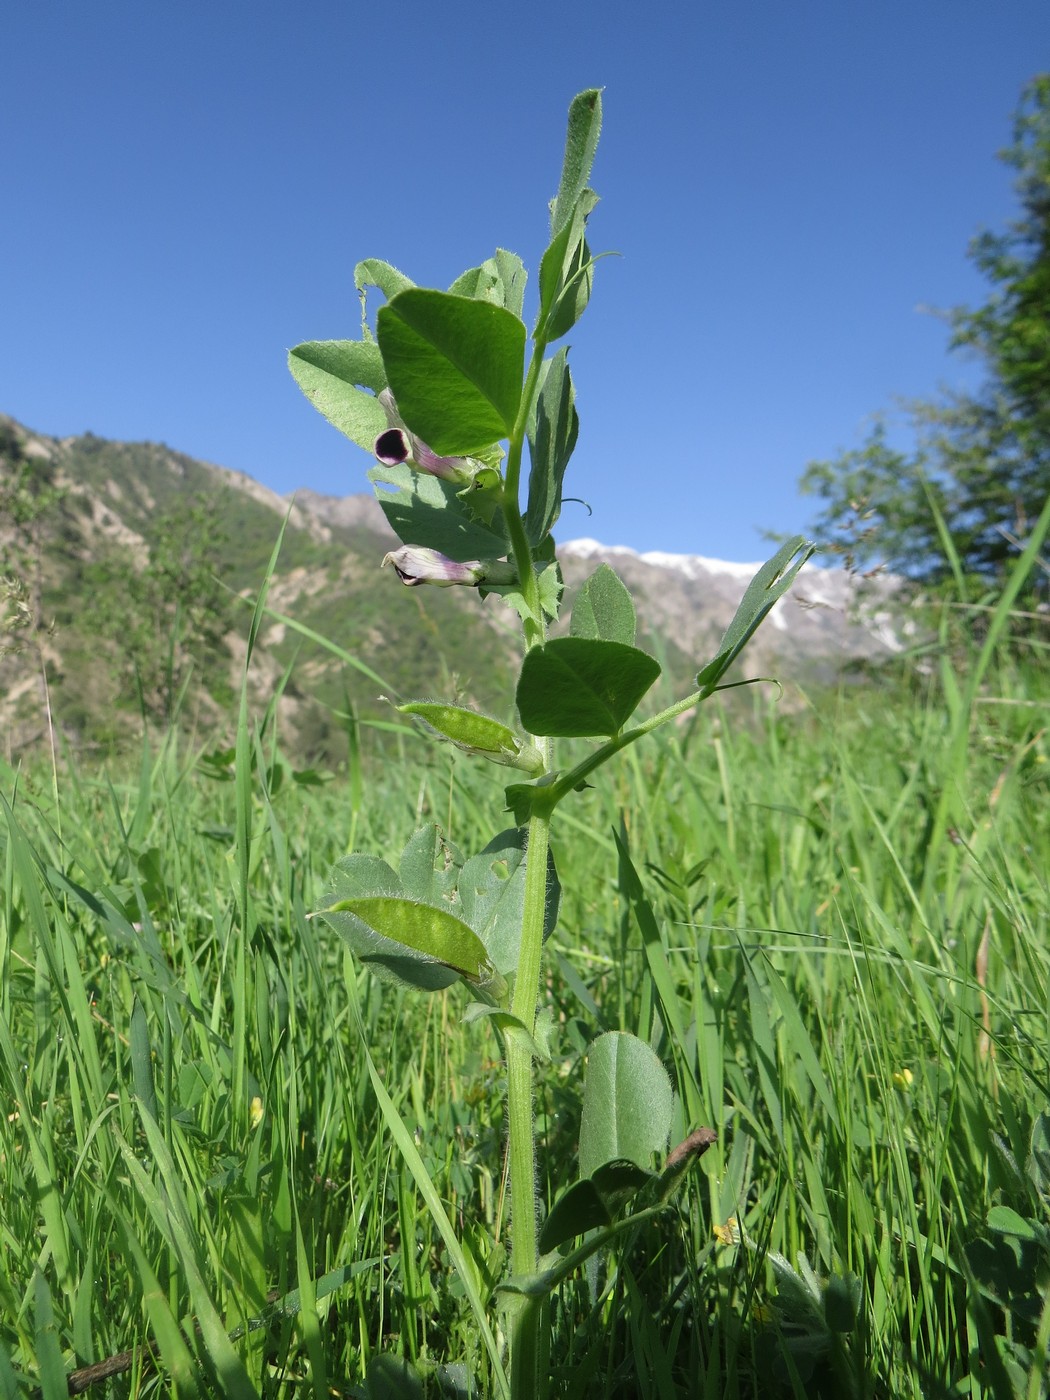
x: 414, y: 565
x: 398, y: 445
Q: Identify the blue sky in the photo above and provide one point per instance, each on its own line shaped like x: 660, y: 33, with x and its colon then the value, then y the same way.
x: 186, y: 189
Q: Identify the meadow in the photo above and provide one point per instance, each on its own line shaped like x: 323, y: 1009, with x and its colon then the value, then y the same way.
x: 226, y: 1148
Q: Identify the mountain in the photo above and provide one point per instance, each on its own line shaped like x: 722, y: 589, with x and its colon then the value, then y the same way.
x: 687, y: 601
x: 129, y: 569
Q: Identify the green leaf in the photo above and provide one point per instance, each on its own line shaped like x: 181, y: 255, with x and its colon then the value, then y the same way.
x: 499, y: 279
x: 618, y: 1180
x: 627, y: 1102
x: 390, y: 1377
x: 50, y: 1367
x: 476, y: 734
x: 524, y: 800
x: 592, y: 1203
x: 426, y: 511
x: 1038, y: 1164
x: 329, y: 371
x: 429, y: 868
x: 770, y: 583
x: 481, y: 283
x: 574, y: 294
x: 142, y: 1060
x: 550, y: 587
x: 506, y: 1021
x: 492, y: 891
x: 512, y: 276
x: 566, y: 274
x: 1006, y: 1221
x: 553, y: 429
x: 483, y: 495
x: 374, y: 272
x: 420, y: 928
x: 414, y: 943
x: 455, y: 367
x: 581, y: 142
x: 603, y: 609
x: 576, y: 1211
x: 581, y: 687
x: 842, y: 1302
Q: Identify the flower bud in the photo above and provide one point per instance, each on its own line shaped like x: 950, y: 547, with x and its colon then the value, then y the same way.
x: 414, y: 565
x: 398, y: 445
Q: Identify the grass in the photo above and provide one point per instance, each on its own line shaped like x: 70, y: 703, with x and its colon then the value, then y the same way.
x: 831, y: 921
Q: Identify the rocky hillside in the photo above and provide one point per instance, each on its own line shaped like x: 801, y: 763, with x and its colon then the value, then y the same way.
x: 129, y: 569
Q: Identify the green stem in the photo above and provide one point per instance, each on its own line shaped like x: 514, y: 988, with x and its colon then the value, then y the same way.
x: 529, y: 1345
x: 517, y: 437
x: 533, y: 626
x: 575, y: 776
x: 528, y: 1374
x: 529, y: 1342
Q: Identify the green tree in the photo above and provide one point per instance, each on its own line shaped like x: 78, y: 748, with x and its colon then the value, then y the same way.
x: 28, y: 491
x: 980, y: 468
x: 169, y: 617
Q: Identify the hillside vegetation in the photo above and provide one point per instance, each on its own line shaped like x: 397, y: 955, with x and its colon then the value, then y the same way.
x: 131, y: 568
x: 137, y: 562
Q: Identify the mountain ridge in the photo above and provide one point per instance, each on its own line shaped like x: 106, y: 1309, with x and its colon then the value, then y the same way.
x: 115, y: 542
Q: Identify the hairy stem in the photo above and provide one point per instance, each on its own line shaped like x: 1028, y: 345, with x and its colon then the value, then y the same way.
x: 533, y: 626
x: 529, y: 1346
x: 527, y: 1343
x: 575, y: 776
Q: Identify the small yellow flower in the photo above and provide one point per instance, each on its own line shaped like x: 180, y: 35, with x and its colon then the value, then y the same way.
x: 729, y: 1233
x: 903, y: 1078
x: 255, y: 1111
